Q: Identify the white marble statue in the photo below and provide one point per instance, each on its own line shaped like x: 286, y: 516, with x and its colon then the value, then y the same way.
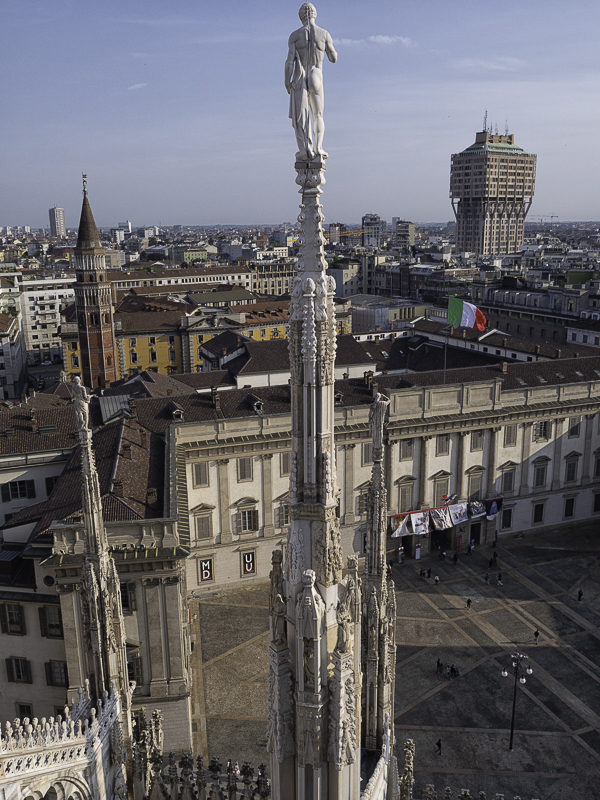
x: 82, y: 400
x: 304, y: 82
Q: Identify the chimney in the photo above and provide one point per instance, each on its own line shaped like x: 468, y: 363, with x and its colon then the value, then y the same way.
x: 24, y: 398
x: 215, y: 397
x: 504, y: 342
x: 132, y: 407
x: 504, y: 367
x: 576, y: 354
x: 345, y: 375
x: 31, y: 392
x: 152, y: 495
x: 126, y: 450
x: 464, y: 333
x: 170, y: 392
x: 144, y: 438
x: 537, y: 348
x: 107, y: 384
x: 117, y: 488
x: 558, y: 353
x: 374, y: 388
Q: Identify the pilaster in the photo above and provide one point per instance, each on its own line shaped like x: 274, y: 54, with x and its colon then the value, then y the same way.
x: 588, y: 433
x: 491, y: 465
x: 267, y: 489
x: 154, y: 632
x: 460, y: 466
x: 525, y: 454
x: 224, y: 510
x: 349, y: 517
x: 556, y: 461
x: 424, y: 497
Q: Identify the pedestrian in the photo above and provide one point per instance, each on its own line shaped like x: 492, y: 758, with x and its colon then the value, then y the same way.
x: 449, y: 672
x: 438, y: 744
x: 500, y: 579
x: 580, y: 594
x: 455, y: 558
x: 389, y: 570
x: 487, y: 578
x: 437, y: 580
x: 444, y: 556
x: 491, y: 564
x: 421, y: 572
x: 468, y: 602
x: 536, y: 635
x: 440, y: 670
x: 429, y: 572
x: 437, y: 669
x: 452, y: 672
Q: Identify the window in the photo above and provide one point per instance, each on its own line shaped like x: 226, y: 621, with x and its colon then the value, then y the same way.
x: 18, y: 670
x: 133, y: 357
x: 172, y: 355
x: 362, y: 502
x: 204, y: 526
x: 477, y: 438
x: 51, y: 483
x: 16, y: 490
x: 128, y: 598
x: 244, y: 466
x: 508, y: 480
x: 475, y: 486
x: 51, y: 626
x: 153, y: 357
x: 284, y: 516
x: 133, y: 343
x: 12, y: 619
x: 440, y: 491
x: 74, y: 361
x: 406, y: 496
x: 571, y: 471
x: 596, y: 502
x: 171, y: 340
x: 542, y: 431
x: 285, y: 461
x: 201, y: 474
x: 510, y: 435
x: 597, y: 467
x: 93, y: 320
x: 56, y: 673
x: 24, y: 710
x: 407, y: 449
x: 584, y: 338
x: 200, y: 338
x: 543, y: 332
x: 152, y: 341
x: 367, y: 453
x: 539, y: 475
x: 247, y: 519
x: 538, y: 513
x: 574, y: 427
x: 569, y: 507
x: 506, y: 518
x: 442, y: 444
x: 263, y: 333
x: 73, y: 345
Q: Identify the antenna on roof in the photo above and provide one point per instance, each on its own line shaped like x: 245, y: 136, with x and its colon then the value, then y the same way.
x: 496, y: 129
x: 485, y: 121
x: 506, y: 127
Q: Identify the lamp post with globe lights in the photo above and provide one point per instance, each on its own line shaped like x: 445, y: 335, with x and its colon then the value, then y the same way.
x: 520, y: 664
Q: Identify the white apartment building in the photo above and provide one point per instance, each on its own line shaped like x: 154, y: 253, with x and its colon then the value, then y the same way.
x: 42, y: 298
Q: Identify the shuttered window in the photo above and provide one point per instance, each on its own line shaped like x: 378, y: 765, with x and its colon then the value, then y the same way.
x: 18, y: 670
x: 12, y: 619
x: 442, y: 447
x: 285, y: 464
x: 15, y: 490
x: 247, y: 520
x: 56, y: 673
x: 475, y: 487
x: 477, y: 439
x: 201, y: 474
x: 406, y: 495
x: 510, y: 435
x: 204, y: 526
x: 51, y: 622
x: 407, y: 449
x: 367, y: 453
x: 441, y: 490
x: 244, y: 469
x: 128, y: 597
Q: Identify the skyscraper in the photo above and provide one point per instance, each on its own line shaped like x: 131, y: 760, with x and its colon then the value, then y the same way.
x: 57, y: 221
x: 93, y: 303
x: 491, y: 190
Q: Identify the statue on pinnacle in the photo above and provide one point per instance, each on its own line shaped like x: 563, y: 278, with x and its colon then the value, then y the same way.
x: 304, y: 82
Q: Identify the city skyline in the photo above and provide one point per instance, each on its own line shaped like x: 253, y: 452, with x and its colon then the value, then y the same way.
x: 158, y: 107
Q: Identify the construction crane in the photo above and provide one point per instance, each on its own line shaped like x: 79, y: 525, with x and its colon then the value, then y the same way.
x: 348, y: 233
x: 543, y: 218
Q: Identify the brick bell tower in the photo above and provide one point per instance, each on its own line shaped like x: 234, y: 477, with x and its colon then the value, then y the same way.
x: 93, y: 303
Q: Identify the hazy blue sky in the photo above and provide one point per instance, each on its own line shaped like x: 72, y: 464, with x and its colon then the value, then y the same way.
x: 178, y: 114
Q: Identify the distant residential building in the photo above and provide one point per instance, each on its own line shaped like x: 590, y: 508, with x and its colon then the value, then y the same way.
x: 42, y: 297
x: 372, y: 230
x: 491, y: 190
x: 118, y: 235
x: 57, y: 221
x: 404, y: 234
x: 347, y: 273
x: 12, y: 356
x: 189, y: 254
x: 336, y: 231
x: 125, y: 226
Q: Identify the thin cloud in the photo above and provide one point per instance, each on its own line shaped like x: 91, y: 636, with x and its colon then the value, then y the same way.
x: 496, y: 64
x: 136, y: 86
x: 386, y: 40
x: 380, y: 39
x: 161, y: 23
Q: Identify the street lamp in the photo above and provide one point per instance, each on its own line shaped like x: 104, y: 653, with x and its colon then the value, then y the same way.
x: 519, y: 666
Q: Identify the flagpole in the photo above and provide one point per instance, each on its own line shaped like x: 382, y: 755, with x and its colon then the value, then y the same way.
x: 445, y: 354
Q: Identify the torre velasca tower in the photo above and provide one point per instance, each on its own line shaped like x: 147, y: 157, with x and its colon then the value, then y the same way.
x: 491, y: 189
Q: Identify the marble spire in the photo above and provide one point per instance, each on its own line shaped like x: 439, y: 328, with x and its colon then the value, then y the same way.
x: 314, y: 701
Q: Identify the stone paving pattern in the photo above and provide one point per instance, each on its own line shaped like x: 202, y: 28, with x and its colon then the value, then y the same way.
x: 557, y: 741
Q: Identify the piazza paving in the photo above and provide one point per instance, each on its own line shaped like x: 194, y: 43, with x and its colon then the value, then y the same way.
x: 557, y: 740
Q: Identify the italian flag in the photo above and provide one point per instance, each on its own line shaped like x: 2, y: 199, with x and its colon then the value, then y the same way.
x: 466, y: 314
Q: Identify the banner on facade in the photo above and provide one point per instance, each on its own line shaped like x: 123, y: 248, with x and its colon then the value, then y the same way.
x: 492, y: 507
x: 441, y: 519
x: 420, y: 522
x: 477, y: 509
x: 399, y: 525
x: 458, y: 513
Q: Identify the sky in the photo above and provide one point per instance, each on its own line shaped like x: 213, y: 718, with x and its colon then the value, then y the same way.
x: 178, y: 114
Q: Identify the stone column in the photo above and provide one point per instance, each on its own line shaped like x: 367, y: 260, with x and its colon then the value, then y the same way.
x: 73, y: 632
x: 154, y: 633
x: 175, y: 648
x: 558, y: 437
x: 224, y: 510
x: 491, y: 467
x: 391, y: 459
x: 460, y: 466
x: 525, y: 458
x: 267, y: 493
x: 349, y: 516
x: 588, y: 433
x: 424, y: 499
